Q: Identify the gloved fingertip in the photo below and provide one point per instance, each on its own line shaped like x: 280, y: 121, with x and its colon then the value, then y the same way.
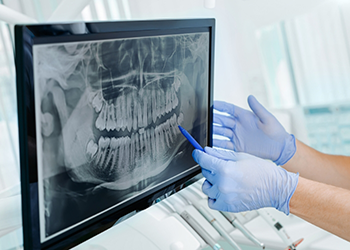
x: 252, y: 100
x: 206, y: 185
x: 211, y: 202
x: 196, y: 153
x: 208, y: 150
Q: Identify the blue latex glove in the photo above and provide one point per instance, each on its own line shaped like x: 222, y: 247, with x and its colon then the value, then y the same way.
x: 257, y: 133
x: 237, y: 182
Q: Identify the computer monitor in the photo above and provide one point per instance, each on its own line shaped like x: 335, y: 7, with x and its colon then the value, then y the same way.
x: 99, y: 106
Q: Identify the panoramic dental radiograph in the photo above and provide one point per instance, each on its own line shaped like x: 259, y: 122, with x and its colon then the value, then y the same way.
x: 107, y: 120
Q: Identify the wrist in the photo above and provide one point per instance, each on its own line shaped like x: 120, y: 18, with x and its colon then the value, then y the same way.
x: 288, y: 150
x: 287, y: 189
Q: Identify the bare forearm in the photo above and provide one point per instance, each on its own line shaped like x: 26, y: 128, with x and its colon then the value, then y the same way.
x: 314, y: 165
x: 323, y: 205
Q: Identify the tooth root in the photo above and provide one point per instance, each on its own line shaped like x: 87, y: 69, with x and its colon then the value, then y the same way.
x: 106, y: 151
x: 168, y: 131
x: 97, y: 102
x: 132, y: 151
x: 101, y: 119
x: 142, y: 145
x: 174, y: 99
x: 137, y: 147
x: 129, y: 112
x: 157, y: 143
x: 121, y: 166
x: 158, y: 108
x: 139, y: 115
x: 177, y: 84
x: 146, y: 137
x: 91, y: 149
x: 144, y: 115
x: 149, y: 107
x: 165, y: 135
x: 153, y: 143
x: 162, y: 102
x: 168, y: 101
x: 154, y: 106
x: 123, y: 118
x: 118, y: 113
x: 134, y: 119
x: 112, y: 146
x: 173, y: 125
x: 115, y: 145
x: 127, y: 154
x: 161, y: 137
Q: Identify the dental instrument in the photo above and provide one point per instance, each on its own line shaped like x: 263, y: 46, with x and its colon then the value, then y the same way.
x: 191, y: 139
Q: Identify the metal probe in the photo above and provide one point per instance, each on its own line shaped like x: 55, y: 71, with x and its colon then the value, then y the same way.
x: 233, y: 220
x: 194, y: 224
x: 209, y: 218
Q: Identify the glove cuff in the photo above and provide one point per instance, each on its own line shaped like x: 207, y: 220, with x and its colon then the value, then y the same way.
x: 287, y: 152
x: 289, y: 189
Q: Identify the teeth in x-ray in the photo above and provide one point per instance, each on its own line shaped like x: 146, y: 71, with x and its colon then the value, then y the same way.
x: 173, y: 124
x: 177, y: 84
x: 129, y: 121
x: 144, y: 116
x: 139, y: 114
x: 91, y: 149
x: 168, y: 106
x: 152, y: 142
x: 97, y: 102
x: 134, y: 110
x: 111, y: 119
x: 102, y: 118
x: 180, y: 119
x: 154, y: 106
x: 103, y: 144
x: 123, y: 115
x: 165, y: 130
x: 118, y: 154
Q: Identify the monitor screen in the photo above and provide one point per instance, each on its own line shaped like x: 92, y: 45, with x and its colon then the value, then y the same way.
x: 99, y: 106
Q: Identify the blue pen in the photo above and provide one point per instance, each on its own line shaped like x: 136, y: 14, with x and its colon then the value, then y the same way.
x: 190, y: 139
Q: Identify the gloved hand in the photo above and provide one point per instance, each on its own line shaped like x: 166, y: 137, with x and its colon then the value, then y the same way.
x: 237, y: 182
x: 257, y: 133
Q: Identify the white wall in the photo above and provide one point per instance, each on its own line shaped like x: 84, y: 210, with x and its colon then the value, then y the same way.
x: 238, y: 70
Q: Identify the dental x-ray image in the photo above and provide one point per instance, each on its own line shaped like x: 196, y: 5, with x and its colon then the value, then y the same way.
x: 107, y: 115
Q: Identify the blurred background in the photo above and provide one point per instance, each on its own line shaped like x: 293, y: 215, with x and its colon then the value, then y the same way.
x: 294, y: 56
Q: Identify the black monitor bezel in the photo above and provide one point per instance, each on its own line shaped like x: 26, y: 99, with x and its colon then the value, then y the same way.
x: 42, y: 33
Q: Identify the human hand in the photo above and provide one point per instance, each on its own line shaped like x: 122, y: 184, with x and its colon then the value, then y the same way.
x: 257, y: 133
x: 237, y: 182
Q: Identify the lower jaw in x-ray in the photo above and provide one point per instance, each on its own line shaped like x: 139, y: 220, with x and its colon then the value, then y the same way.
x: 120, y: 141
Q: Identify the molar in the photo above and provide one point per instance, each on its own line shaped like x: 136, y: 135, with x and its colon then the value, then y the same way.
x: 91, y: 149
x: 118, y: 112
x: 101, y: 120
x: 111, y: 123
x: 97, y: 102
